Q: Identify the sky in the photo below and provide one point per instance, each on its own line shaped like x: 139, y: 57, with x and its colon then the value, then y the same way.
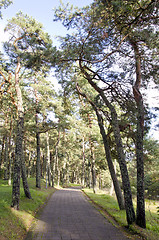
x: 42, y: 11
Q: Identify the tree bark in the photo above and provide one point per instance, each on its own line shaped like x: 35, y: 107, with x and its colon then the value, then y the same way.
x: 83, y: 162
x: 92, y: 157
x: 24, y: 178
x: 110, y: 163
x: 19, y: 141
x: 48, y: 173
x: 17, y: 162
x: 140, y: 212
x: 38, y: 165
x: 10, y: 153
x: 2, y: 152
x: 6, y: 158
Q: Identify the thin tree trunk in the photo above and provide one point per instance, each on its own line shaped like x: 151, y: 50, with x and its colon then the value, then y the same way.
x: 10, y: 153
x: 112, y: 184
x: 10, y: 169
x: 53, y: 172
x: 6, y: 159
x: 83, y: 162
x: 24, y: 178
x: 48, y: 173
x: 57, y: 160
x: 29, y: 165
x: 38, y: 165
x: 2, y: 152
x: 93, y: 171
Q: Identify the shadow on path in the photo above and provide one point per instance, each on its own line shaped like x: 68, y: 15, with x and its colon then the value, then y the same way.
x: 69, y: 216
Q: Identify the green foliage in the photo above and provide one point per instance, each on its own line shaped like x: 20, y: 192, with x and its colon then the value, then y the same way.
x: 29, y: 42
x: 153, y: 190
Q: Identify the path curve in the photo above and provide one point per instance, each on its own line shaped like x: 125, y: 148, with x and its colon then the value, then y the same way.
x: 68, y: 215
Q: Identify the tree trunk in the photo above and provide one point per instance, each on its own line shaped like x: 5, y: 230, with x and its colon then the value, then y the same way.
x: 119, y: 146
x: 6, y: 159
x: 108, y: 154
x: 57, y: 160
x: 2, y: 152
x: 93, y: 171
x: 29, y: 165
x: 17, y: 162
x: 19, y: 141
x: 10, y: 154
x: 110, y: 163
x: 83, y: 162
x: 24, y: 178
x: 53, y: 172
x: 112, y: 185
x: 38, y: 165
x: 48, y: 173
x: 140, y: 218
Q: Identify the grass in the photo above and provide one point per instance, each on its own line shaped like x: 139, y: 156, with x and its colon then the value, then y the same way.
x: 15, y: 224
x: 109, y: 204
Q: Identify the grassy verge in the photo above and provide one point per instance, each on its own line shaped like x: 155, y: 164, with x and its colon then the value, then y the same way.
x: 109, y: 204
x: 15, y: 224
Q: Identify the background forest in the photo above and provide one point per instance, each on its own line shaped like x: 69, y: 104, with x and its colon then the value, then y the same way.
x: 94, y: 130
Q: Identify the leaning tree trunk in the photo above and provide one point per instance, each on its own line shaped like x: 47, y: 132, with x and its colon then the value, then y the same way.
x: 119, y: 147
x: 107, y: 152
x: 110, y: 163
x: 140, y: 218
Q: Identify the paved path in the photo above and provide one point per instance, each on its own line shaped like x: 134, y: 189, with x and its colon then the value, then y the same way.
x: 69, y: 216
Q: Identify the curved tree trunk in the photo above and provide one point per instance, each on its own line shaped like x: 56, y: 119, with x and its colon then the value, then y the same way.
x: 119, y: 147
x: 140, y: 218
